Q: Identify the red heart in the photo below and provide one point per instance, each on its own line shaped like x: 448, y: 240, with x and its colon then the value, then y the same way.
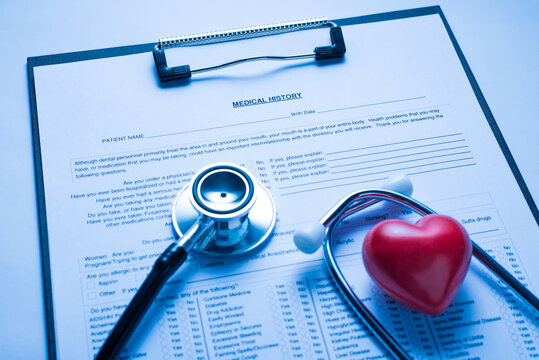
x: 420, y: 265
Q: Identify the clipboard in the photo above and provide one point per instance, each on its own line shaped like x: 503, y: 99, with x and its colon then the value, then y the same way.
x: 158, y: 51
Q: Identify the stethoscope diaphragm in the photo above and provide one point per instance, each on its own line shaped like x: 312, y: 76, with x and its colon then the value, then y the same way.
x: 241, y: 207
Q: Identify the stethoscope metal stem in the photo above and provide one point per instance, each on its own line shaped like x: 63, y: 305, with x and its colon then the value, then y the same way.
x: 361, y: 200
x: 198, y: 233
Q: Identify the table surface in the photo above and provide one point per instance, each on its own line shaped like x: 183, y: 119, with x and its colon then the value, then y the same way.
x: 499, y: 40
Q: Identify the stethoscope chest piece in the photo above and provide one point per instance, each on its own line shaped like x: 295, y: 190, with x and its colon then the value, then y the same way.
x: 241, y: 207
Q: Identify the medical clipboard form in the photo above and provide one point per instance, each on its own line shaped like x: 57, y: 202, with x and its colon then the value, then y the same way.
x: 336, y: 50
x: 42, y: 63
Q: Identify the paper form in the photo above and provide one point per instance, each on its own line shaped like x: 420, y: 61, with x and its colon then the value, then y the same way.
x: 117, y: 147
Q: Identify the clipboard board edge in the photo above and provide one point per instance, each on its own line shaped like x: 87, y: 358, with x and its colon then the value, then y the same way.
x: 42, y: 218
x: 492, y: 122
x: 85, y: 55
x: 62, y: 58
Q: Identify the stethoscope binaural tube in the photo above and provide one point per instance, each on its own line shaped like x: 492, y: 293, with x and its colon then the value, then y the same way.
x: 321, y: 233
x: 367, y: 198
x: 222, y: 211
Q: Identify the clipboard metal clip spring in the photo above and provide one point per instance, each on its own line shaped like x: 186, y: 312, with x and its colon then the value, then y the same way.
x: 166, y: 73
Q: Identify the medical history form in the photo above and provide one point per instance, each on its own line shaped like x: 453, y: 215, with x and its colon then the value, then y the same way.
x: 114, y: 147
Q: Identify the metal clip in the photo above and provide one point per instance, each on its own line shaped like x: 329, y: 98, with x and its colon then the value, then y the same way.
x: 165, y: 73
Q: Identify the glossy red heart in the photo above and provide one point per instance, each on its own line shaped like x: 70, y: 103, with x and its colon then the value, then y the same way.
x: 420, y: 265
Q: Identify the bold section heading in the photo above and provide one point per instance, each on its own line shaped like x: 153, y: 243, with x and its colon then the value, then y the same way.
x: 266, y: 100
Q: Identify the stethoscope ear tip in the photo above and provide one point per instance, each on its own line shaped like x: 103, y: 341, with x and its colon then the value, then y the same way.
x: 400, y: 184
x: 309, y: 238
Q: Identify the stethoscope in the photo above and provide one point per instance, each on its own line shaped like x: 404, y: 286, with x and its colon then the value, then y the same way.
x: 225, y: 211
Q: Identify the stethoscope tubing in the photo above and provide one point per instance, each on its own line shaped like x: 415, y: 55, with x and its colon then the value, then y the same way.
x: 164, y: 267
x: 362, y: 199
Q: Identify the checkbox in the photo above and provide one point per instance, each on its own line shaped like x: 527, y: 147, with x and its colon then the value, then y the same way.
x: 90, y: 285
x: 92, y: 295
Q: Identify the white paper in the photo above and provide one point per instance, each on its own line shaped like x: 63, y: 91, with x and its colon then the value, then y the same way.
x: 117, y: 147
